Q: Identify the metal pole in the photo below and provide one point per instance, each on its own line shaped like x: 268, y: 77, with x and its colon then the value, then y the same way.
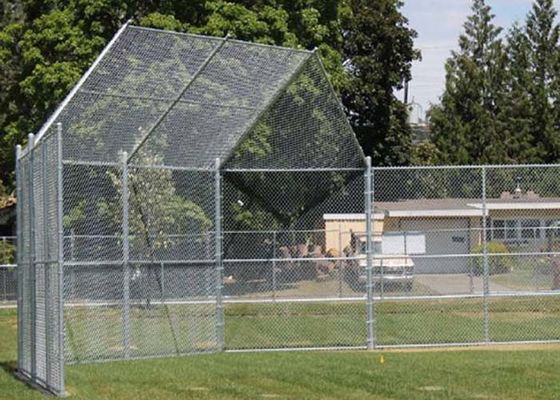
x: 486, y: 285
x: 33, y: 318
x: 19, y: 253
x: 46, y: 267
x: 73, y: 258
x: 371, y: 339
x: 4, y: 285
x: 274, y: 265
x: 60, y: 216
x: 126, y: 255
x: 340, y: 263
x: 219, y: 261
x: 162, y: 284
x: 5, y: 270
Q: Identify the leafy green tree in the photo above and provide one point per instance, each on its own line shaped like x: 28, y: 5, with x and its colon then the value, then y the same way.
x: 465, y: 125
x: 379, y: 50
x: 45, y: 45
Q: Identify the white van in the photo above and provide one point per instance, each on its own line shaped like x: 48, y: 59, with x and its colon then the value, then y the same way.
x: 390, y: 271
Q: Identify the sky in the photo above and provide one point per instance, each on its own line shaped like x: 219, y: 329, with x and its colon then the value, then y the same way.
x: 439, y: 24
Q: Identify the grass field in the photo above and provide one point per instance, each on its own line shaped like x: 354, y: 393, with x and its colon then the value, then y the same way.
x: 96, y: 332
x: 500, y: 373
x: 529, y: 372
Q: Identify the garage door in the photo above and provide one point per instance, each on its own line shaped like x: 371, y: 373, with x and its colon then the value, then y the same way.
x: 443, y: 236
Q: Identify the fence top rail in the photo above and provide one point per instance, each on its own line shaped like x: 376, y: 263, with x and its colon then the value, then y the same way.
x: 215, y: 38
x: 288, y: 170
x: 472, y: 166
x: 309, y: 170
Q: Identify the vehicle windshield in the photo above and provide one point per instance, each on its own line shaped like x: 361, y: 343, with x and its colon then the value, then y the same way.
x: 377, y: 249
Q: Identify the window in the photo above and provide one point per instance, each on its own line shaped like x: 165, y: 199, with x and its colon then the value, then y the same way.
x: 498, y: 229
x: 552, y: 229
x: 530, y: 229
x: 511, y: 229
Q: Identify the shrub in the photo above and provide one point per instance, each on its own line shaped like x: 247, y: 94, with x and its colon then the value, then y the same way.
x: 496, y: 264
x: 7, y: 253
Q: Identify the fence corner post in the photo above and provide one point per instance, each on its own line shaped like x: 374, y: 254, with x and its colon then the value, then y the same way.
x: 19, y: 261
x: 32, y: 259
x: 368, y: 194
x: 220, y: 321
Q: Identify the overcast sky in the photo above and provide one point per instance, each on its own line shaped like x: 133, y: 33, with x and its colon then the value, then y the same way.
x: 439, y: 23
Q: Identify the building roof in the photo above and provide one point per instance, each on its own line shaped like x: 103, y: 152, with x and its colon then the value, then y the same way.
x: 454, y: 207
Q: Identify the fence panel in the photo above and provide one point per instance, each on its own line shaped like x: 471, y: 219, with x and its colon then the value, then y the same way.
x: 288, y: 281
x: 162, y: 261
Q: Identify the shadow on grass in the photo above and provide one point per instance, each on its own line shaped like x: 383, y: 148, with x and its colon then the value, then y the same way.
x: 9, y: 367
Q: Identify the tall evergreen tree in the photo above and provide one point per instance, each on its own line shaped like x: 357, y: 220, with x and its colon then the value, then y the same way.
x: 542, y: 35
x: 379, y: 50
x: 516, y: 114
x: 465, y: 125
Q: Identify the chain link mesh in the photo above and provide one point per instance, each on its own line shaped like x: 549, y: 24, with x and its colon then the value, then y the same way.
x: 39, y: 339
x: 8, y: 274
x: 160, y: 249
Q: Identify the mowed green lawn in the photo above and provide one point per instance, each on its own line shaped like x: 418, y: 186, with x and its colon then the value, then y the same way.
x: 96, y: 332
x: 480, y: 373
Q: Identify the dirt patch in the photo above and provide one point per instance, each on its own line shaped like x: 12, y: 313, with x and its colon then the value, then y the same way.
x: 431, y: 388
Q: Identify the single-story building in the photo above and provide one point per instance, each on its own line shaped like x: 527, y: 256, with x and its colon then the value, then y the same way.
x: 453, y: 226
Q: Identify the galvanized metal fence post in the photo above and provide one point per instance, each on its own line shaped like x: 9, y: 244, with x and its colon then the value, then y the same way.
x: 60, y: 255
x: 126, y: 257
x: 486, y: 273
x: 72, y: 258
x: 371, y: 337
x: 220, y: 323
x: 274, y: 265
x: 339, y: 262
x: 46, y: 261
x: 162, y: 277
x: 19, y: 255
x: 32, y: 274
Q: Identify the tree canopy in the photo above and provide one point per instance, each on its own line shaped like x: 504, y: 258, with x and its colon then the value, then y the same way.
x: 501, y: 101
x: 45, y: 46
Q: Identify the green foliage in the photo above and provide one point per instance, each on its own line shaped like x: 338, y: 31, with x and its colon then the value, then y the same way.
x: 501, y: 100
x: 499, y: 264
x: 76, y: 215
x: 156, y: 210
x: 465, y: 126
x: 46, y: 45
x: 379, y: 49
x: 425, y: 153
x: 7, y: 253
x: 542, y: 35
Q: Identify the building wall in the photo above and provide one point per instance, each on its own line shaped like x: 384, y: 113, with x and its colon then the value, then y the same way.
x: 338, y: 232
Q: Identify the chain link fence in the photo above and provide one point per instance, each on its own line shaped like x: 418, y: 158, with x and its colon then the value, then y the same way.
x: 196, y: 195
x: 8, y: 279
